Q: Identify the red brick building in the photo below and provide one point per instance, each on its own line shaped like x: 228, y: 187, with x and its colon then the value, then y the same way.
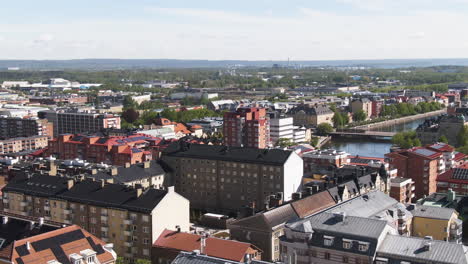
x: 422, y: 165
x: 171, y: 243
x: 248, y: 127
x: 455, y: 179
x: 402, y: 189
x: 110, y: 150
x: 377, y: 107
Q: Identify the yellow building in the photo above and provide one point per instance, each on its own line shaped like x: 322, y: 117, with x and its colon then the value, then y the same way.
x: 439, y: 223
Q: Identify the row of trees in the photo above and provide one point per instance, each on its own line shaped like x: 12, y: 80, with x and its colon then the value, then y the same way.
x: 407, y: 109
x: 406, y: 140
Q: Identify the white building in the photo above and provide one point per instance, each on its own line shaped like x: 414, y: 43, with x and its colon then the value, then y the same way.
x: 281, y: 127
x: 141, y: 98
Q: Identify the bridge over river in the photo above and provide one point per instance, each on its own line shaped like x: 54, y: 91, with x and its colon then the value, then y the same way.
x: 368, y: 134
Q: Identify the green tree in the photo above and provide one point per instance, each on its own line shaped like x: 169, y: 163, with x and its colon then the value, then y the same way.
x: 130, y: 115
x: 462, y: 137
x: 284, y: 142
x: 359, y: 116
x: 324, y: 129
x: 128, y: 102
x: 314, y: 141
x: 443, y: 139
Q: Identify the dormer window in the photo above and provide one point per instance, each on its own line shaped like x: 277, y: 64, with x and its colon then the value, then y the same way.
x: 90, y: 259
x: 328, y: 240
x: 347, y: 243
x: 363, y: 246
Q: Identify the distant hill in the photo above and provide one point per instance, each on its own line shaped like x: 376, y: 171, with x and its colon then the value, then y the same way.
x: 110, y: 64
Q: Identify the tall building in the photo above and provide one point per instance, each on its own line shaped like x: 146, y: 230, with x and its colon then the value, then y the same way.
x: 230, y: 178
x: 248, y: 127
x: 363, y: 104
x: 77, y: 122
x: 423, y: 165
x: 131, y: 218
x: 281, y: 127
x: 13, y: 127
x: 401, y: 189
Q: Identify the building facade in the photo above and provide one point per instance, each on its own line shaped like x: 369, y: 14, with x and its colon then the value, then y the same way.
x: 15, y: 145
x: 402, y: 189
x: 13, y: 127
x: 132, y: 218
x: 363, y: 104
x: 311, y: 115
x: 227, y: 178
x: 248, y: 127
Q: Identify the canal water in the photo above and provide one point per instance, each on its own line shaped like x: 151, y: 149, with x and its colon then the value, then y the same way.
x: 372, y: 148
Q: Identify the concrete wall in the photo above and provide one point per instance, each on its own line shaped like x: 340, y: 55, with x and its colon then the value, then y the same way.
x: 293, y: 172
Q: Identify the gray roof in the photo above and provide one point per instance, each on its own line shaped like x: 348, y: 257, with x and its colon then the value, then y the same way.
x: 432, y: 212
x: 193, y: 258
x: 133, y: 173
x: 411, y: 249
x: 352, y: 227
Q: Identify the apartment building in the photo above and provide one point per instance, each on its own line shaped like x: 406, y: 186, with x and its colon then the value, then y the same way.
x: 455, y: 179
x: 198, y: 258
x: 265, y: 228
x: 281, y: 127
x: 131, y: 218
x: 118, y: 151
x: 402, y: 189
x: 70, y: 244
x: 363, y: 104
x: 79, y: 122
x: 333, y: 238
x: 421, y: 164
x: 436, y: 222
x: 13, y: 127
x: 229, y: 178
x: 171, y: 243
x: 323, y: 158
x: 248, y: 127
x: 15, y: 145
x: 311, y: 115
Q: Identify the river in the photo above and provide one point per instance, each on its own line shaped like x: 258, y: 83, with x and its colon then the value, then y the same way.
x: 372, y: 148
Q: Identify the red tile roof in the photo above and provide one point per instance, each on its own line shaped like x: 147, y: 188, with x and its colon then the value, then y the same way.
x: 41, y: 246
x: 215, y: 247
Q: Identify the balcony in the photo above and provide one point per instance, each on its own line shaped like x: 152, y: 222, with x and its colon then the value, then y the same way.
x: 66, y: 211
x: 128, y: 244
x: 23, y: 203
x: 5, y: 200
x: 128, y: 222
x: 104, y: 228
x: 127, y: 233
x: 104, y: 218
x: 46, y: 207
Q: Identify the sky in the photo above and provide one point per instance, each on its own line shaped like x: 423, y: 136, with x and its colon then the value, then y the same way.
x: 234, y: 30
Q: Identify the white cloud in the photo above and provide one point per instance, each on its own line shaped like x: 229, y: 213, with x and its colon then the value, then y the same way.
x: 44, y: 38
x: 417, y: 35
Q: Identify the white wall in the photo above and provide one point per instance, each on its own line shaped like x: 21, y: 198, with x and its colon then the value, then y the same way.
x: 173, y: 210
x: 293, y: 172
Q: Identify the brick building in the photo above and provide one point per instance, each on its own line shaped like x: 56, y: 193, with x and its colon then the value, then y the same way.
x: 131, y: 218
x: 109, y: 150
x: 455, y: 179
x: 311, y: 115
x: 13, y: 127
x: 402, y: 189
x: 324, y: 158
x: 248, y: 127
x: 421, y: 165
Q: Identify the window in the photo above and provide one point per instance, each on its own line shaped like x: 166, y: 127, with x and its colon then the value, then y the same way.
x: 145, y: 218
x: 135, y: 239
x: 146, y: 241
x: 328, y: 240
x: 346, y: 244
x: 345, y: 259
x: 326, y: 255
x: 90, y: 259
x: 363, y: 246
x: 145, y: 252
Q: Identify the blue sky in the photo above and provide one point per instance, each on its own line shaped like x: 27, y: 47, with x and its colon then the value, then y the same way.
x: 252, y: 30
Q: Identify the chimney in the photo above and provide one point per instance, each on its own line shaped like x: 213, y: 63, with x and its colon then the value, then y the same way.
x: 451, y: 195
x: 178, y: 228
x: 103, y: 183
x: 340, y: 216
x: 139, y: 191
x: 127, y: 165
x: 28, y: 245
x: 93, y: 171
x: 146, y: 164
x: 114, y: 171
x: 170, y: 189
x: 70, y: 183
x: 309, y: 190
x: 41, y: 221
x: 53, y: 168
x: 202, y: 244
x: 296, y: 196
x: 247, y: 259
x: 5, y: 220
x: 315, y: 188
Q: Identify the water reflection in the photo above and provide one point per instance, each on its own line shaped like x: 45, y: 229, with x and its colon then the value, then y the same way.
x: 372, y: 148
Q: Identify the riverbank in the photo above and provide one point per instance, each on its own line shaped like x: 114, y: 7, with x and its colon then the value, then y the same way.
x: 401, y: 120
